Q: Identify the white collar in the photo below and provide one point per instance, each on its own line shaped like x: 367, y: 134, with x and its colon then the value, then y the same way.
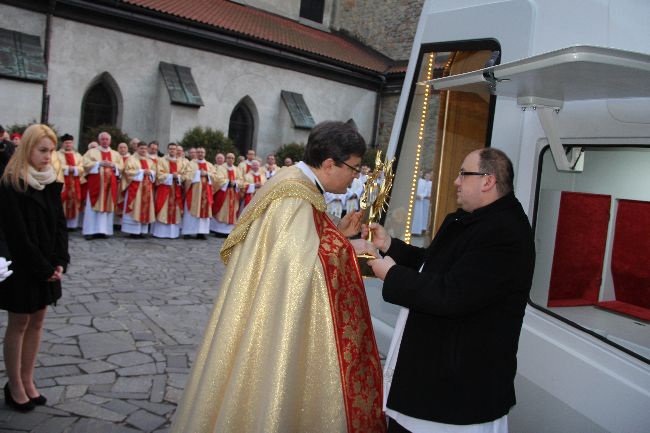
x: 309, y: 173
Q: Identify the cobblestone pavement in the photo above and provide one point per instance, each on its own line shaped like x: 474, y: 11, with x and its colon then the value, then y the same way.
x: 117, y: 349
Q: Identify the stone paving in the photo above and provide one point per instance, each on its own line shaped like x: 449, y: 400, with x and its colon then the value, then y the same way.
x: 117, y: 349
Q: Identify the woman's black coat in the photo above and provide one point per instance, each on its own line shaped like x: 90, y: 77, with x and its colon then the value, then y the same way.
x: 37, y: 239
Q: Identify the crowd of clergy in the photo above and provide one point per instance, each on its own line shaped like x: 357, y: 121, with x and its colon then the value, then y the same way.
x: 144, y: 192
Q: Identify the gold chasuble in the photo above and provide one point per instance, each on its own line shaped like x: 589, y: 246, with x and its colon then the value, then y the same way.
x: 139, y: 193
x: 198, y: 195
x: 226, y: 203
x: 102, y: 186
x: 289, y: 347
x: 169, y: 196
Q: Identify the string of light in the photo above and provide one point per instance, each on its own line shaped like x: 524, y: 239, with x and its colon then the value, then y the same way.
x: 418, y: 150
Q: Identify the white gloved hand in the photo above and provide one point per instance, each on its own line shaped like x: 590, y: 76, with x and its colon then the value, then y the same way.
x: 4, y: 269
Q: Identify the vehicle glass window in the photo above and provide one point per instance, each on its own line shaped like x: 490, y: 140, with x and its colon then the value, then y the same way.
x: 592, y: 234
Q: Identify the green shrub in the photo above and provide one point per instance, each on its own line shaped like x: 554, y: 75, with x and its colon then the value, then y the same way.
x: 213, y: 140
x: 295, y: 151
x: 117, y: 136
x: 20, y: 127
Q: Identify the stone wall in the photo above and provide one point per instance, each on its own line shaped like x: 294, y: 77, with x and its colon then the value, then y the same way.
x: 387, y: 26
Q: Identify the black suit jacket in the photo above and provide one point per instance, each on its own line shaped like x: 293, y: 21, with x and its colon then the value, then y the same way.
x: 457, y: 360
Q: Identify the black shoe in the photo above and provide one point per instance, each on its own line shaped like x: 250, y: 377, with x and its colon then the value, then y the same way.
x: 89, y: 237
x: 20, y: 407
x: 201, y: 237
x: 187, y: 237
x: 38, y: 401
x: 134, y: 236
x: 220, y: 235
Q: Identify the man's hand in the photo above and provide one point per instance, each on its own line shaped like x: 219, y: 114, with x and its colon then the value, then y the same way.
x: 380, y: 267
x: 362, y: 246
x: 350, y: 224
x: 380, y: 237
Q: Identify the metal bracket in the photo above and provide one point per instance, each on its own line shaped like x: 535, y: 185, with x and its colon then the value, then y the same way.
x: 547, y: 111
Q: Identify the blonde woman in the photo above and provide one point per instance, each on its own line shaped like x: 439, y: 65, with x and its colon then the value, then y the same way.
x: 35, y: 232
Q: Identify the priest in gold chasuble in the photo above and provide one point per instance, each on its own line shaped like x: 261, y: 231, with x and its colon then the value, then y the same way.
x: 199, y: 176
x: 169, y: 195
x: 140, y: 175
x: 290, y: 346
x: 102, y: 167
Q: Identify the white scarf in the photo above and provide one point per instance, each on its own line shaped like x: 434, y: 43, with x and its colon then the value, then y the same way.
x: 38, y: 179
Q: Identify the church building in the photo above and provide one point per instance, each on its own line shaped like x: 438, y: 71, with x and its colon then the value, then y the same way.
x: 262, y: 71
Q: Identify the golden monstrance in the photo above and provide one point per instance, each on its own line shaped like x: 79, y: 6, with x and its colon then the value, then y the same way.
x: 376, y: 191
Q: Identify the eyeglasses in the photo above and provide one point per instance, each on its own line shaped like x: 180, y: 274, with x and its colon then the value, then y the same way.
x: 355, y: 169
x: 463, y: 173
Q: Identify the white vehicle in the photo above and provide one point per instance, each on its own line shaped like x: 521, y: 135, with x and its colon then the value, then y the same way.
x: 563, y: 87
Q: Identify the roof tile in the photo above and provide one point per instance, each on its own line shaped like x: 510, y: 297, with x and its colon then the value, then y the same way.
x: 270, y: 28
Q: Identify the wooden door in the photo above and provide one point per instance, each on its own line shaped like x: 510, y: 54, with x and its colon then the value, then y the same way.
x: 462, y: 128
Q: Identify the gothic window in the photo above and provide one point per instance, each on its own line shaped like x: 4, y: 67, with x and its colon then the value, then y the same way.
x: 241, y: 128
x: 99, y: 107
x: 312, y: 10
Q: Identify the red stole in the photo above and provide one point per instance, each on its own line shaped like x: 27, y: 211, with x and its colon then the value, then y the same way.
x: 206, y: 194
x: 229, y: 194
x: 104, y: 181
x: 361, y: 372
x: 71, y: 194
x: 249, y: 195
x: 145, y: 196
x: 173, y: 192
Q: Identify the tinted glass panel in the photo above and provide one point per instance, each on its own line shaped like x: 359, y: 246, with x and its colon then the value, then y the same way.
x: 593, y: 244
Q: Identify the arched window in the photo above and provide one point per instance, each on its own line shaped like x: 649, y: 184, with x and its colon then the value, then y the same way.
x: 241, y: 128
x: 99, y: 107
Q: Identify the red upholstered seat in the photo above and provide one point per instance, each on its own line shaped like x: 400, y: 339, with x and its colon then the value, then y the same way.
x: 580, y: 243
x: 631, y: 260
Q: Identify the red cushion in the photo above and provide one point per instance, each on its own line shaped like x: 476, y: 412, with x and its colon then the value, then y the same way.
x: 580, y: 242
